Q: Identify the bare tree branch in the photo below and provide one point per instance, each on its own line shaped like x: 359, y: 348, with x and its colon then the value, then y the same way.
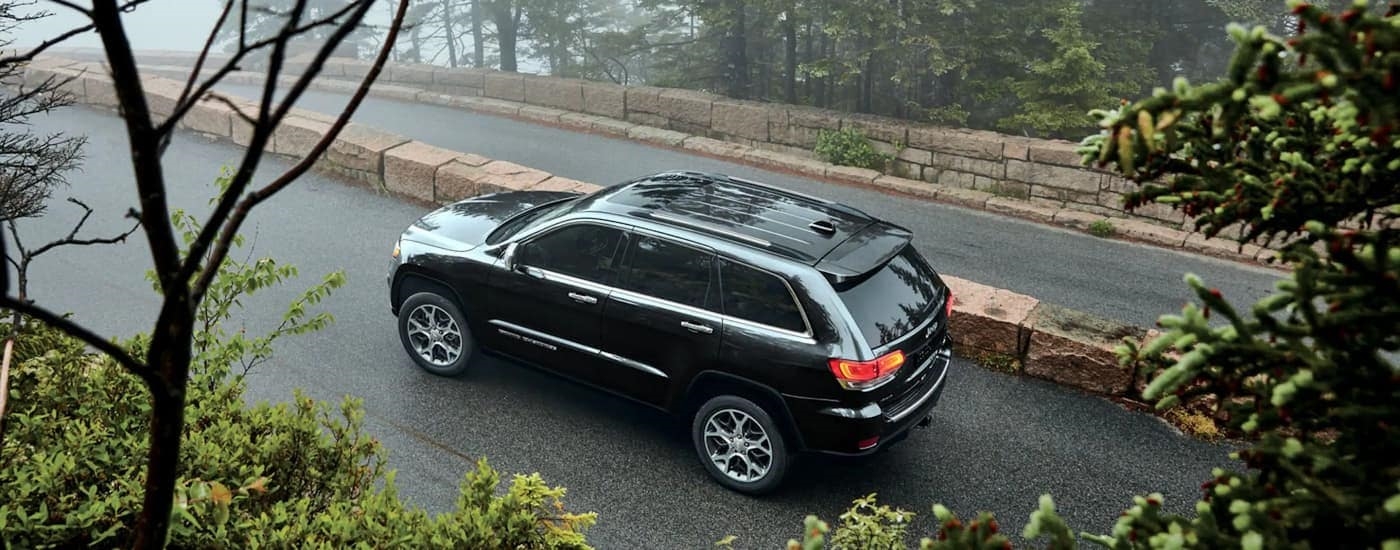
x: 80, y: 332
x: 220, y: 250
x: 72, y: 238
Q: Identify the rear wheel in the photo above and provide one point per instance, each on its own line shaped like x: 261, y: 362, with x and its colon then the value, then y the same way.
x: 740, y: 444
x: 434, y: 333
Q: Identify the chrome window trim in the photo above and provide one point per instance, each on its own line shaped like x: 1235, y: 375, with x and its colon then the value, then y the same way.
x: 507, y: 328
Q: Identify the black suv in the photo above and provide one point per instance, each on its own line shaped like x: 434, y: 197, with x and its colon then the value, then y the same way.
x: 773, y: 322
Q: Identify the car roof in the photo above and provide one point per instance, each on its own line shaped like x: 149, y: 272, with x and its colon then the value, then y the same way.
x: 782, y: 222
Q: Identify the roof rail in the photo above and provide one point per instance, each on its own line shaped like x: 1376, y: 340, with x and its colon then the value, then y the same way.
x: 709, y: 227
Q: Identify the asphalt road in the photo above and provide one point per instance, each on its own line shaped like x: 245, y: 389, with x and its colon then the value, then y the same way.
x: 996, y: 443
x: 1116, y: 279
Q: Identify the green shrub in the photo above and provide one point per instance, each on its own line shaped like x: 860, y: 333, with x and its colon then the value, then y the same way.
x: 1102, y: 228
x: 849, y: 147
x: 302, y: 474
x: 1298, y: 144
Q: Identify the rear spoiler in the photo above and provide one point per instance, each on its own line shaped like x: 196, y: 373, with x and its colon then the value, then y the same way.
x: 864, y: 252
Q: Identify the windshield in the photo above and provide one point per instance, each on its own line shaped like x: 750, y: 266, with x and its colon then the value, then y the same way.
x: 529, y: 218
x: 894, y: 300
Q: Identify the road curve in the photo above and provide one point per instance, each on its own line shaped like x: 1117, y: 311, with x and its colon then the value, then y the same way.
x: 996, y: 443
x: 1120, y: 280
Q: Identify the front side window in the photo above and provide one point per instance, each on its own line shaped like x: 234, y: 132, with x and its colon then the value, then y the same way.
x: 759, y: 297
x: 672, y: 272
x: 584, y: 251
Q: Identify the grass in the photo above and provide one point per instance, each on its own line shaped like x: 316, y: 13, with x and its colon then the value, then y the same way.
x: 999, y: 362
x: 1101, y: 228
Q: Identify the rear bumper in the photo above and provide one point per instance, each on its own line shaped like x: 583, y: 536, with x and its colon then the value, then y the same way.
x: 841, y: 431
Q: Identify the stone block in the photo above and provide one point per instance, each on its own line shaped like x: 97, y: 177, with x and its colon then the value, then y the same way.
x: 714, y: 147
x: 1057, y: 152
x: 558, y: 93
x: 771, y: 159
x: 1021, y: 209
x: 361, y: 147
x: 416, y: 75
x: 98, y: 90
x: 851, y: 174
x: 1076, y: 349
x: 744, y: 119
x: 687, y: 106
x: 643, y: 99
x: 1074, y: 179
x: 507, y: 86
x: 161, y: 96
x: 878, y: 128
x: 356, y: 69
x: 395, y: 92
x: 460, y: 77
x: 556, y: 183
x: 916, y: 156
x: 990, y: 168
x: 1067, y: 196
x: 988, y: 319
x: 1076, y: 218
x: 411, y: 169
x: 609, y: 100
x: 1220, y: 246
x: 296, y: 136
x: 209, y: 116
x: 1016, y: 148
x: 958, y: 142
x: 487, y: 105
x: 458, y: 180
x: 964, y: 197
x: 542, y: 114
x: 647, y: 119
x: 508, y: 176
x: 1149, y: 232
x: 1006, y: 189
x: 656, y: 135
x: 907, y: 186
x: 1156, y: 211
x: 962, y: 180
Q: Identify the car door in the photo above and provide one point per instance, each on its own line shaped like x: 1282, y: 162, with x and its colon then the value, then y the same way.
x: 662, y: 322
x: 547, y: 306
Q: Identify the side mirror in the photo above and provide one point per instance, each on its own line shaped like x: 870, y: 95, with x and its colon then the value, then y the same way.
x: 509, y: 256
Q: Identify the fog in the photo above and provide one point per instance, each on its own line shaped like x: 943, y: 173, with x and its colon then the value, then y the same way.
x: 157, y: 25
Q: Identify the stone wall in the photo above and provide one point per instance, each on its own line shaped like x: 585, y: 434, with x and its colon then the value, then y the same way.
x: 1043, y: 173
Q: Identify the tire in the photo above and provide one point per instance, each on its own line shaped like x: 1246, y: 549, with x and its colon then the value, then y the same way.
x: 449, y: 321
x: 725, y: 411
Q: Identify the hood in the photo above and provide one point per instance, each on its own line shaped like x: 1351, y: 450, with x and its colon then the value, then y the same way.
x: 464, y: 225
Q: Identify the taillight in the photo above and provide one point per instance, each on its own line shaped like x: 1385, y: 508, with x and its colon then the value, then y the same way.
x: 948, y: 304
x: 859, y: 375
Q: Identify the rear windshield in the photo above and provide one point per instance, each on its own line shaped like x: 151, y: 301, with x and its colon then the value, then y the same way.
x: 894, y: 300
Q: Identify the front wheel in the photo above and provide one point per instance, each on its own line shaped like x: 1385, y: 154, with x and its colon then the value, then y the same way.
x: 434, y: 333
x: 740, y: 445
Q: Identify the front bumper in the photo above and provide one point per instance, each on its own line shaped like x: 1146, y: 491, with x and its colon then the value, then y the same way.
x: 840, y: 431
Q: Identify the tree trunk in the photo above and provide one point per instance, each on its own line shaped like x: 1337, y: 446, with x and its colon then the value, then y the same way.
x: 790, y: 57
x: 478, y: 48
x: 735, y: 46
x: 507, y: 21
x: 450, y: 32
x: 807, y: 57
x: 170, y: 355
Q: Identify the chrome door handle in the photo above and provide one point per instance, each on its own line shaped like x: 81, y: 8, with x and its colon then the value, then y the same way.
x: 697, y: 328
x: 583, y: 298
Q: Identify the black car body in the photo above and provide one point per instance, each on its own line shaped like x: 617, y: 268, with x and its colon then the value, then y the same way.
x: 780, y: 323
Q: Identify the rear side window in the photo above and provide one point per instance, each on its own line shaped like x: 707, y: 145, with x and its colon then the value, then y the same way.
x: 759, y: 297
x: 897, y: 298
x: 671, y: 271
